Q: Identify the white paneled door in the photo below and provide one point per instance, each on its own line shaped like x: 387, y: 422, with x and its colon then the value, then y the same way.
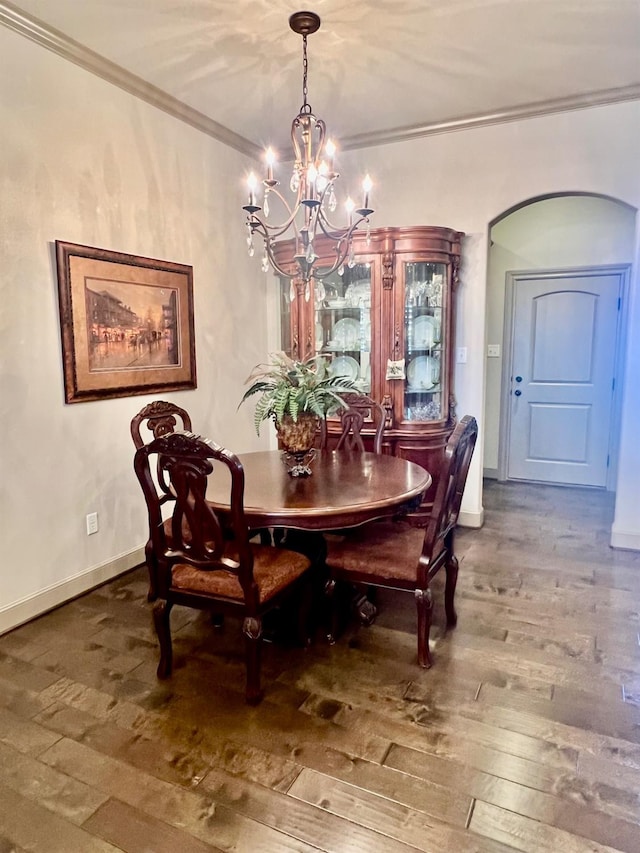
x: 560, y: 385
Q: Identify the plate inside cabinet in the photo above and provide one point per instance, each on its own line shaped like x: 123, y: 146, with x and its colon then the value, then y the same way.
x: 346, y: 334
x: 345, y: 366
x: 426, y: 331
x: 422, y: 373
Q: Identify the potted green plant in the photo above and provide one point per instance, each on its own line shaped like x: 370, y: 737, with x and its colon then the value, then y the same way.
x: 295, y: 395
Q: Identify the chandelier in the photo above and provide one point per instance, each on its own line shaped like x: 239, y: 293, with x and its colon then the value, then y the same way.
x: 312, y: 185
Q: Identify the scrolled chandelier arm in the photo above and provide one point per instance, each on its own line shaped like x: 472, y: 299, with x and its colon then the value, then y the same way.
x: 312, y: 184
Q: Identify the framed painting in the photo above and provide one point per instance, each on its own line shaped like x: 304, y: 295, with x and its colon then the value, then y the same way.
x: 126, y: 322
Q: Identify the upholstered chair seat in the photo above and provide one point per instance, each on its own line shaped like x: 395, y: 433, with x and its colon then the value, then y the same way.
x: 273, y: 570
x: 382, y: 549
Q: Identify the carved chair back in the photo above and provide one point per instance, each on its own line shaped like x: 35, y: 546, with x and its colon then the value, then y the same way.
x: 449, y: 491
x: 194, y: 535
x: 360, y: 414
x: 160, y: 418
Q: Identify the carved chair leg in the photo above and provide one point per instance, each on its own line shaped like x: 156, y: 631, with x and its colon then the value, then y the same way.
x: 252, y: 630
x: 451, y: 569
x: 366, y: 609
x: 161, y: 614
x: 331, y: 611
x: 306, y: 622
x: 424, y: 602
x: 152, y: 593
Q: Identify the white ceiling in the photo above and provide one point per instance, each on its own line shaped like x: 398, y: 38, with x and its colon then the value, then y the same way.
x: 378, y: 69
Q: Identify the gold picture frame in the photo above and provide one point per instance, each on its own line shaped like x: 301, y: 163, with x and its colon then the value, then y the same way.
x: 126, y: 323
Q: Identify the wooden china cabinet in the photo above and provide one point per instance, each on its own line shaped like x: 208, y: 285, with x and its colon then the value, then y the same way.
x: 385, y: 320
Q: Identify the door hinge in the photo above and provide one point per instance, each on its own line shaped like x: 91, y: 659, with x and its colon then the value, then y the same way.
x: 607, y: 460
x: 613, y: 384
x: 619, y: 302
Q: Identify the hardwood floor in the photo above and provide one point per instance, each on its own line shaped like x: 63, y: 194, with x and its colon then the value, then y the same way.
x: 524, y: 736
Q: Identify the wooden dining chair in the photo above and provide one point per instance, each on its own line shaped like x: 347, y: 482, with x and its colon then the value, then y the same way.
x: 357, y: 419
x: 161, y: 418
x: 361, y: 417
x: 157, y: 418
x: 203, y: 560
x: 395, y: 555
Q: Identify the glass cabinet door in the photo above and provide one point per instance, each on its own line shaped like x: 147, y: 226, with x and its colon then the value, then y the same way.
x: 424, y: 329
x: 341, y: 322
x: 286, y: 343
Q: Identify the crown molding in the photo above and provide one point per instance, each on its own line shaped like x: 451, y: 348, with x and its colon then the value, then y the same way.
x: 18, y: 21
x: 605, y: 97
x: 56, y: 41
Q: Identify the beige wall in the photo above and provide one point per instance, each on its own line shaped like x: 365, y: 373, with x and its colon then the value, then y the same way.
x: 84, y: 162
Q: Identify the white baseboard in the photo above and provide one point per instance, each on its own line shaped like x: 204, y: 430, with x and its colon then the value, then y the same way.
x: 490, y: 473
x: 46, y: 599
x: 471, y: 519
x: 627, y: 540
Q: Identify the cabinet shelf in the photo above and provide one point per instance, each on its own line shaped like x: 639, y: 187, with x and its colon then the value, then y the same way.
x: 345, y: 308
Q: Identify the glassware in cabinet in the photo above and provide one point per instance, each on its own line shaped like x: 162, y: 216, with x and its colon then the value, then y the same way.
x: 424, y: 340
x: 341, y: 322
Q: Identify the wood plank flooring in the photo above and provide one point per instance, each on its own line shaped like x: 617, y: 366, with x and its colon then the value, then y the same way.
x: 524, y: 736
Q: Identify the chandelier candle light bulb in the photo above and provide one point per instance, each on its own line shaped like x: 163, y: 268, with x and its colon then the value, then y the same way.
x: 312, y: 176
x: 270, y: 159
x: 367, y: 186
x: 330, y: 151
x: 350, y: 207
x: 322, y: 180
x: 252, y: 183
x: 313, y: 185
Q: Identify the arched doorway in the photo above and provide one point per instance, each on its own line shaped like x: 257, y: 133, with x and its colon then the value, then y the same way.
x: 546, y: 236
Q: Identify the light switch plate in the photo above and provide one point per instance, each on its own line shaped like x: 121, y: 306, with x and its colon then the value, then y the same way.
x: 461, y: 355
x: 493, y: 351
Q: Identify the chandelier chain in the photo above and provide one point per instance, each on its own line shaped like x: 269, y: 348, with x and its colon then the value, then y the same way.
x: 305, y: 108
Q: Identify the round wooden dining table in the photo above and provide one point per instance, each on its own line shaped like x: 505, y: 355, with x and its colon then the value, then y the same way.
x: 345, y: 489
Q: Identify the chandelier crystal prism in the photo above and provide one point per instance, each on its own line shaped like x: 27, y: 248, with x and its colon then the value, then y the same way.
x: 312, y: 184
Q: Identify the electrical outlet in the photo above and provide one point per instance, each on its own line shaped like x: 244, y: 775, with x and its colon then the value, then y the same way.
x: 493, y: 350
x: 461, y: 355
x: 92, y: 523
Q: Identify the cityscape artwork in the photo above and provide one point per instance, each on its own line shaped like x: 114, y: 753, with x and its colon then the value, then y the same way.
x: 127, y: 323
